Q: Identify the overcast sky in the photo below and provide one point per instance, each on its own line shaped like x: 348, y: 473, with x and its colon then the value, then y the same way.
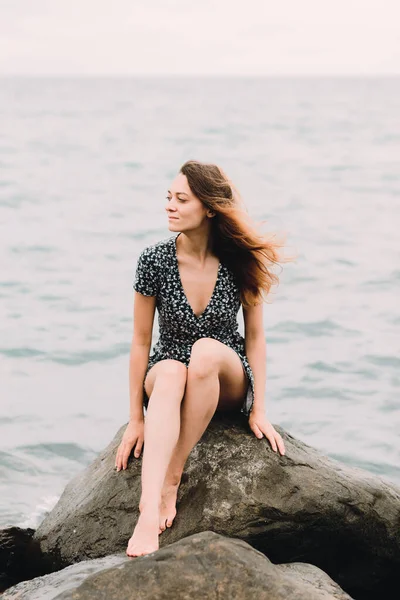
x: 209, y: 37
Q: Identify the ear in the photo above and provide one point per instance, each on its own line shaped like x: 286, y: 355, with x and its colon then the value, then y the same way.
x: 211, y: 214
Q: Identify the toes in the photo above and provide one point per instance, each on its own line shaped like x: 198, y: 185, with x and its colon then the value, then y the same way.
x: 170, y: 519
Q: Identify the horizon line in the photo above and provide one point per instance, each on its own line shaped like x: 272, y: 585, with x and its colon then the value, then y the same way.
x: 200, y: 75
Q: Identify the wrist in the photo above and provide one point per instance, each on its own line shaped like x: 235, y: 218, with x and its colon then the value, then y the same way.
x: 136, y: 417
x: 259, y: 407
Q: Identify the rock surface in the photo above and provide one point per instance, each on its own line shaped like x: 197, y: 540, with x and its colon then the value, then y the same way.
x: 301, y: 506
x: 20, y: 556
x: 204, y: 565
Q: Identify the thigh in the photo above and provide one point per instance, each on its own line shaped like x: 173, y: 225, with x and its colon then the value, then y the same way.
x: 210, y: 354
x: 168, y: 369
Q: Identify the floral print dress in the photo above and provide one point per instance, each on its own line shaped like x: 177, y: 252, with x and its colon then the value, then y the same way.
x: 157, y: 274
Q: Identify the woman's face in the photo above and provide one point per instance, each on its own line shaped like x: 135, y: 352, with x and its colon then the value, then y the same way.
x: 184, y: 210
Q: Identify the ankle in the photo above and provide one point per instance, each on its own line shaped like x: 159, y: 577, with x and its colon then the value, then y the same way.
x: 149, y: 506
x: 173, y: 479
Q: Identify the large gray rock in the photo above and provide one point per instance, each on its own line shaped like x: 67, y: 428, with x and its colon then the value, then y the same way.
x: 204, y: 565
x: 301, y: 506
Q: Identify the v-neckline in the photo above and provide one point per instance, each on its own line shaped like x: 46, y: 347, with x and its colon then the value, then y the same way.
x: 182, y: 288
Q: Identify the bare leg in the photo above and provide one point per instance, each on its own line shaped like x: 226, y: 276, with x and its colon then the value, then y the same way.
x: 162, y: 426
x: 197, y: 409
x: 211, y: 365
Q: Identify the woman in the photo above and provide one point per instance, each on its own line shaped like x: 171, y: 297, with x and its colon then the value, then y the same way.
x: 198, y: 280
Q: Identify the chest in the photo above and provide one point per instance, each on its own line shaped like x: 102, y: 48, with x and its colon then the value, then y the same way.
x: 199, y: 285
x: 191, y: 301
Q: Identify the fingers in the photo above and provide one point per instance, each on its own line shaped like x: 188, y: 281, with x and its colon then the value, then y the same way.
x: 274, y: 438
x: 276, y: 442
x: 125, y: 456
x: 139, y: 446
x: 124, y: 452
x: 257, y: 431
x: 118, y: 458
x: 272, y: 442
x: 121, y: 460
x: 281, y: 445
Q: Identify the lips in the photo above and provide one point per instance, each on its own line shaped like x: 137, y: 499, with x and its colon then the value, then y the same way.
x: 175, y: 218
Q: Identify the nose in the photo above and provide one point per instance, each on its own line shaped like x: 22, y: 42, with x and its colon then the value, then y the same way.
x: 170, y: 209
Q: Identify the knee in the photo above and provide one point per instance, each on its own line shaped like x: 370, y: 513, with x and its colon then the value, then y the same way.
x: 203, y: 358
x: 172, y: 371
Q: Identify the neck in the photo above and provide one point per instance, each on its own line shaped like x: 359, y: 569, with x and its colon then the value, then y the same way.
x: 196, y: 244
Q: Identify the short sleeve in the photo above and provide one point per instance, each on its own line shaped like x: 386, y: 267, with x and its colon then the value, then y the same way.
x: 146, y: 279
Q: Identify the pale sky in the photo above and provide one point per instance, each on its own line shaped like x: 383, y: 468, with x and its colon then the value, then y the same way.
x: 210, y: 37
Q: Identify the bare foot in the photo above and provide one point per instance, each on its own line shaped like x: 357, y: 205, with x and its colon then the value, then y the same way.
x: 144, y: 539
x: 169, y: 494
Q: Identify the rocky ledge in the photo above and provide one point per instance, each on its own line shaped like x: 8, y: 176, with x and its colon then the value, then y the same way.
x: 240, y: 505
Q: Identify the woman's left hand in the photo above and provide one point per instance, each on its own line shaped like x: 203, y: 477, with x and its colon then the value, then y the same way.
x: 260, y: 425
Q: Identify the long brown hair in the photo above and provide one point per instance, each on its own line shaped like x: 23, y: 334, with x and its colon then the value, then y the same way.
x: 235, y: 238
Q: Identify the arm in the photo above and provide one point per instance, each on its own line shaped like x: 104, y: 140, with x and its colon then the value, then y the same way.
x: 146, y: 287
x: 143, y: 320
x: 256, y: 351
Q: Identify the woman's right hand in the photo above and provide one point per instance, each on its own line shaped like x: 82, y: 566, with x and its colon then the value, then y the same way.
x: 133, y: 434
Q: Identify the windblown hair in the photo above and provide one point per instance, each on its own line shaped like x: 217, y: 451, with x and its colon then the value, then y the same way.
x: 236, y: 240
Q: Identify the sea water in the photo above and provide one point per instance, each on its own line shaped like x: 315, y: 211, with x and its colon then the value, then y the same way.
x: 85, y: 165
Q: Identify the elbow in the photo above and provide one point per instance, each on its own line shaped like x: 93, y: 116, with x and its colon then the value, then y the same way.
x: 257, y: 338
x: 256, y: 342
x: 141, y: 341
